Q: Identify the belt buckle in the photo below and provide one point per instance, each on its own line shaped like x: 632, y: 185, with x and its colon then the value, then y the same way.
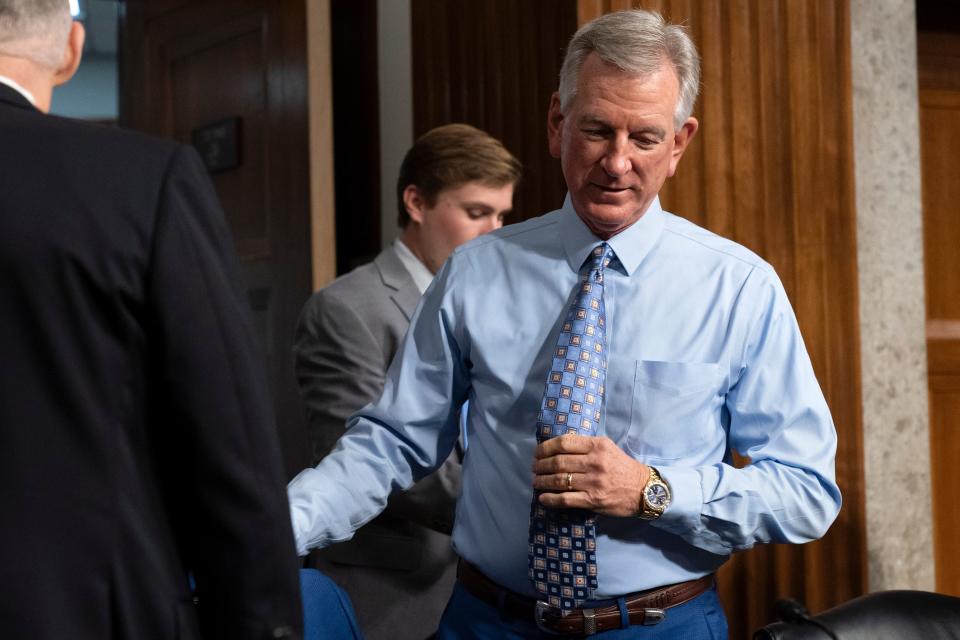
x: 653, y: 616
x: 542, y: 608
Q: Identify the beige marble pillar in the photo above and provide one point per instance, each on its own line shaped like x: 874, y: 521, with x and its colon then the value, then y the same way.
x: 892, y: 317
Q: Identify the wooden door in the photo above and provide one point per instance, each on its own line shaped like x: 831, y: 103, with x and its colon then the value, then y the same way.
x: 185, y: 65
x: 939, y: 78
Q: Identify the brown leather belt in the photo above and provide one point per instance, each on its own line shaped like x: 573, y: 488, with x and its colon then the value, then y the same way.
x: 643, y: 607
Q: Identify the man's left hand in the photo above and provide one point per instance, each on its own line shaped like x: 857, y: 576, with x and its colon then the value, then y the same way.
x: 584, y: 472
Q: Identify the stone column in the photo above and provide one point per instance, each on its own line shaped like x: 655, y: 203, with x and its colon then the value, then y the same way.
x: 892, y: 313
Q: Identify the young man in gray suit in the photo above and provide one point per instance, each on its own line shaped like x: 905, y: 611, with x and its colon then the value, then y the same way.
x: 455, y: 184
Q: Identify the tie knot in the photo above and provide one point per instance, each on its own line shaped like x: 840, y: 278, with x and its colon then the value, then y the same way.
x: 599, y: 259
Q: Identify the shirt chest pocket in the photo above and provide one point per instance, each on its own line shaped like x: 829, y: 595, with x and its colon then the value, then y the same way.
x: 674, y: 410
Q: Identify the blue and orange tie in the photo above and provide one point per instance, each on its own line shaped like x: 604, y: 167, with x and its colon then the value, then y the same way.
x: 563, y: 542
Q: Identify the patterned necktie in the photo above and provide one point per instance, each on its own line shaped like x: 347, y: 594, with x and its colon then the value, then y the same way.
x: 562, y: 550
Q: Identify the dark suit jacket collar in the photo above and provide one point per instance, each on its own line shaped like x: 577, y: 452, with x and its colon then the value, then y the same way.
x: 395, y: 277
x: 9, y: 95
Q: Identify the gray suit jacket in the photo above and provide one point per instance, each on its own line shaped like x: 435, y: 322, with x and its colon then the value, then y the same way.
x: 399, y: 568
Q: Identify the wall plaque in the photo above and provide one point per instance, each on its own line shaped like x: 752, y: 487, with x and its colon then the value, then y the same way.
x: 219, y: 144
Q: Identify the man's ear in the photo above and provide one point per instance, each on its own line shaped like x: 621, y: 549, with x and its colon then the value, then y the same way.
x: 554, y: 125
x: 72, y: 54
x: 415, y: 203
x: 681, y: 139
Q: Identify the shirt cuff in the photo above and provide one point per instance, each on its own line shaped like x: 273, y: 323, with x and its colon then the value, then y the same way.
x: 305, y: 511
x: 686, y: 500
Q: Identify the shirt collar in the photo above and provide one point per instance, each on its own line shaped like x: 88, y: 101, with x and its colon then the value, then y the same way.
x: 13, y: 84
x: 631, y: 245
x: 417, y: 270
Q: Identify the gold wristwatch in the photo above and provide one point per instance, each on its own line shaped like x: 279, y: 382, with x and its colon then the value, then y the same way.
x: 655, y: 497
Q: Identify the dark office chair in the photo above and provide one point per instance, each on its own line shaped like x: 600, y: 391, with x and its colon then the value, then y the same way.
x: 884, y: 615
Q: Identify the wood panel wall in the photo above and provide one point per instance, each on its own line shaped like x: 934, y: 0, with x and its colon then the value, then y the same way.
x: 939, y: 79
x: 494, y: 64
x: 772, y: 168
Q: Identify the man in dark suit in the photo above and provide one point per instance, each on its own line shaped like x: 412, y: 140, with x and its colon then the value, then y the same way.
x: 137, y: 443
x: 455, y: 184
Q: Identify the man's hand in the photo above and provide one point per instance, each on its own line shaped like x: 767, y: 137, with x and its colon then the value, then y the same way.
x: 602, y: 478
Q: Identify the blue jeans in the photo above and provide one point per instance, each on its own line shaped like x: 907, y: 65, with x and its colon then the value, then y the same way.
x: 468, y: 617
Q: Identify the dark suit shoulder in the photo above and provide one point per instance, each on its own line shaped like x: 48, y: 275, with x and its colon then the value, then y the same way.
x: 109, y: 155
x: 111, y: 184
x: 34, y: 123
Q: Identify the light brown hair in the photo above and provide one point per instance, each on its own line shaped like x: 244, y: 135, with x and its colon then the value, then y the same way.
x: 450, y: 156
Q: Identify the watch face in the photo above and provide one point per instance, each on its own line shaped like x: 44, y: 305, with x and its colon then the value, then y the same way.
x: 657, y: 496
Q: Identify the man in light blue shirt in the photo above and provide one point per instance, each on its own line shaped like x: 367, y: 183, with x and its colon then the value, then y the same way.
x: 703, y: 357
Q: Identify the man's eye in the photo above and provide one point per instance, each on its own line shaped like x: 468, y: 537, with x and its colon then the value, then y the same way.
x: 594, y: 134
x: 476, y: 214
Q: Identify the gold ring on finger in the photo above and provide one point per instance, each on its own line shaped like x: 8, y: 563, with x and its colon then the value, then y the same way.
x: 569, y: 482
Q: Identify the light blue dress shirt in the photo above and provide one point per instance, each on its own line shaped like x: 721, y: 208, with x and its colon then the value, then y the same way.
x: 705, y: 357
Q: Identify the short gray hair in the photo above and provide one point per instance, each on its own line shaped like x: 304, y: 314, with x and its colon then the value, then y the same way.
x: 35, y: 29
x: 635, y: 41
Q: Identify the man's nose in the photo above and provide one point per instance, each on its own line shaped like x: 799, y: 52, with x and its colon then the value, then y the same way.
x: 616, y: 160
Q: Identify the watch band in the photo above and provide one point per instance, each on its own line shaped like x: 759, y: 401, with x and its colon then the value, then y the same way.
x: 657, y: 489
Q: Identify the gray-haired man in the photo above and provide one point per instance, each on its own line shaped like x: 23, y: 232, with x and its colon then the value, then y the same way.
x: 613, y: 355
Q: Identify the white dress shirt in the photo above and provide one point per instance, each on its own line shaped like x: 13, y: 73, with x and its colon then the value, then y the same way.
x: 417, y: 270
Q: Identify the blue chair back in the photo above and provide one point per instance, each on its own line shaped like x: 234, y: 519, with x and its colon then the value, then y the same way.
x: 327, y: 612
